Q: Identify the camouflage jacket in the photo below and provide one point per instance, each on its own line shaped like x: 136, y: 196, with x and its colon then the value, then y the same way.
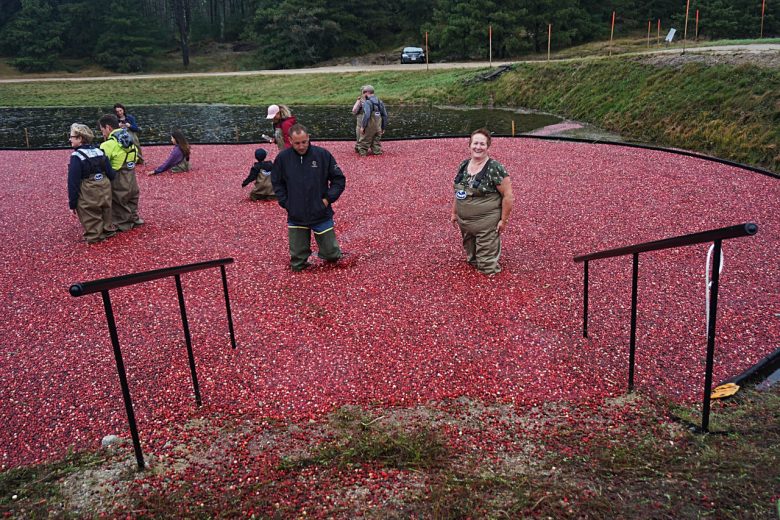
x: 483, y: 182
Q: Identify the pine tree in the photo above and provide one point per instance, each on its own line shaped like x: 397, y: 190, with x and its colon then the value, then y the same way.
x: 33, y: 36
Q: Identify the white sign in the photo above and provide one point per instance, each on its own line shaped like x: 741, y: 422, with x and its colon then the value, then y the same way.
x: 670, y: 36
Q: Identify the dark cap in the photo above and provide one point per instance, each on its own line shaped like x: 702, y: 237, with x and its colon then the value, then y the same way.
x: 260, y: 154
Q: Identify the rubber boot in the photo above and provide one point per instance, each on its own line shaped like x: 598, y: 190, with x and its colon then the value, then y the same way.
x: 300, y: 247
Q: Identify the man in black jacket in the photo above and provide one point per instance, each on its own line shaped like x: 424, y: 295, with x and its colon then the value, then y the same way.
x: 307, y: 181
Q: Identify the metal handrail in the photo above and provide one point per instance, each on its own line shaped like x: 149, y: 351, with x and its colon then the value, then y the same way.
x: 741, y: 230
x: 716, y: 236
x: 105, y: 284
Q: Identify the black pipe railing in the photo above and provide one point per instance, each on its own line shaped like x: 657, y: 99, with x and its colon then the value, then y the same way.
x: 717, y: 236
x: 106, y: 284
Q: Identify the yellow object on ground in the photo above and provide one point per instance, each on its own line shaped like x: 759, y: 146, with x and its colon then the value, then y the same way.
x: 726, y: 390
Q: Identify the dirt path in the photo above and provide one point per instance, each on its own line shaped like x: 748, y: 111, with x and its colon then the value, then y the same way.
x: 770, y: 49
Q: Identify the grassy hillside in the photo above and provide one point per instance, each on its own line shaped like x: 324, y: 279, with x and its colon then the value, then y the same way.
x: 730, y: 110
x: 724, y: 110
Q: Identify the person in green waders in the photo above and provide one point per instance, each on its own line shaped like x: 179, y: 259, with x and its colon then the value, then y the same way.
x: 307, y: 181
x: 482, y: 205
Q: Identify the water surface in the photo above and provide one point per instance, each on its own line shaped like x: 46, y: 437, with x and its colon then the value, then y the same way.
x: 48, y: 127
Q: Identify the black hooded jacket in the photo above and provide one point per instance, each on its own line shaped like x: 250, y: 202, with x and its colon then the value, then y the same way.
x: 302, y: 181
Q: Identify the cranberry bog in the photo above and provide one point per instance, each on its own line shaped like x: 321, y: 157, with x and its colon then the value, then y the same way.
x: 402, y: 322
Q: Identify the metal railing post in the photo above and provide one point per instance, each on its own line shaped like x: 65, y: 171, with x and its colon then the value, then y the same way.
x: 705, y: 410
x: 585, y: 304
x: 227, y: 305
x: 717, y: 236
x: 120, y: 367
x: 632, y: 340
x: 187, y: 339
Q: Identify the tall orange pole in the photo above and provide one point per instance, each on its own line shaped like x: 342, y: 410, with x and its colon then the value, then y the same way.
x: 658, y: 33
x: 696, y: 38
x: 426, y: 51
x: 648, y: 34
x: 611, y: 33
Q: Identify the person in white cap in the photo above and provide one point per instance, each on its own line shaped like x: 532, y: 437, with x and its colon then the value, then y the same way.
x: 283, y: 120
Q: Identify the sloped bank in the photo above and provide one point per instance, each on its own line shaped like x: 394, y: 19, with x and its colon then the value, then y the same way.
x: 722, y: 109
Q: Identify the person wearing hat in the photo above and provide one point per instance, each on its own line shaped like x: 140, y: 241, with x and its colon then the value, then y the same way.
x: 282, y: 119
x: 373, y: 124
x: 260, y: 173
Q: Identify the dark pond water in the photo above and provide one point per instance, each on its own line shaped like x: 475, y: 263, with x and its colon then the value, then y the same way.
x: 48, y: 127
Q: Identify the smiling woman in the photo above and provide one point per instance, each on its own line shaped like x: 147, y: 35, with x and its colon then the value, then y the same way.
x: 482, y: 205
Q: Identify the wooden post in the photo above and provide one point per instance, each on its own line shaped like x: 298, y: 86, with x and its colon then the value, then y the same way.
x: 696, y: 37
x: 611, y: 33
x: 426, y: 51
x: 26, y: 138
x: 549, y: 38
x: 658, y: 34
x: 763, y: 9
x: 513, y: 127
x: 237, y: 135
x: 648, y: 34
x: 685, y: 32
x: 490, y: 43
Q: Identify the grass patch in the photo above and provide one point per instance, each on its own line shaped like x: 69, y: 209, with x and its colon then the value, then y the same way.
x: 35, y: 491
x: 633, y: 472
x: 624, y: 458
x: 361, y: 439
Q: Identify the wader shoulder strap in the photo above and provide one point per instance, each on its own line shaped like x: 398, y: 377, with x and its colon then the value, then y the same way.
x: 90, y: 166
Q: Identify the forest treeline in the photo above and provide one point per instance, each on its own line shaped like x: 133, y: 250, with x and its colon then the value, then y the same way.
x: 45, y: 35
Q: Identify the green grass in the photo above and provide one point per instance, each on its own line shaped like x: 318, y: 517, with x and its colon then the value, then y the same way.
x: 631, y: 472
x: 362, y: 439
x: 34, y: 491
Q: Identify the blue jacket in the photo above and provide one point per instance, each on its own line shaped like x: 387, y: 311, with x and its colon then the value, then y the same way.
x: 302, y: 181
x: 132, y: 123
x: 81, y: 167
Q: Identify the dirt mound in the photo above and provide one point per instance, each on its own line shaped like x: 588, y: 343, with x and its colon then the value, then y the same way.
x: 720, y: 56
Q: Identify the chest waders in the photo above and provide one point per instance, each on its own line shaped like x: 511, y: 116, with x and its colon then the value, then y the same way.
x: 478, y: 215
x: 371, y: 138
x: 124, y: 195
x: 299, y: 239
x: 94, y: 204
x: 263, y: 189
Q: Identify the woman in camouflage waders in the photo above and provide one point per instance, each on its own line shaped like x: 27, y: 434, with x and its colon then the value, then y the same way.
x: 483, y: 202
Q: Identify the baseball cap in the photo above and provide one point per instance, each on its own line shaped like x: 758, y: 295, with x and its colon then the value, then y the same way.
x: 272, y: 111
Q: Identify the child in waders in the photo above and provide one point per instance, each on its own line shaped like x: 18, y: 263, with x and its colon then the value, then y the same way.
x: 260, y: 173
